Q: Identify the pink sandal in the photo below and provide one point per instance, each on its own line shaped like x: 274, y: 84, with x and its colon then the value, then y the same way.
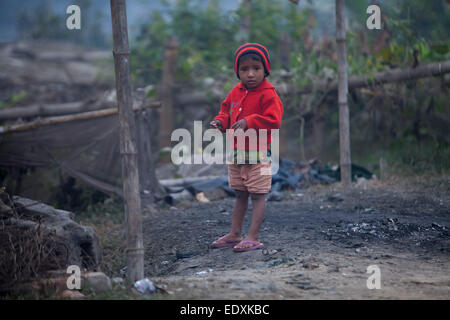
x: 224, y: 242
x: 253, y: 246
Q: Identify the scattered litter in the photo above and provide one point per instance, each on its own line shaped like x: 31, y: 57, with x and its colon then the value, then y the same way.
x: 276, y: 263
x: 275, y: 196
x: 304, y: 285
x: 291, y: 175
x: 145, y: 286
x: 117, y: 280
x: 204, y: 272
x: 335, y: 198
x: 310, y: 266
x: 185, y: 255
x: 175, y: 197
x: 435, y: 225
x: 333, y: 268
x: 267, y: 252
x: 201, y: 197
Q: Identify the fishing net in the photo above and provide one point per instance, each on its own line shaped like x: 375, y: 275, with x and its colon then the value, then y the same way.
x: 87, y: 150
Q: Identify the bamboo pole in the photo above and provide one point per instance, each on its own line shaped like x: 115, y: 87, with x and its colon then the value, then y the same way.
x: 48, y: 110
x: 63, y: 119
x: 44, y: 110
x: 184, y: 181
x: 379, y: 78
x: 128, y: 150
x: 344, y: 123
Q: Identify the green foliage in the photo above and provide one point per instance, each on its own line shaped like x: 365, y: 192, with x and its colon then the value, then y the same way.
x: 208, y: 36
x: 15, y: 98
x: 419, y: 19
x: 148, y: 54
x: 419, y: 157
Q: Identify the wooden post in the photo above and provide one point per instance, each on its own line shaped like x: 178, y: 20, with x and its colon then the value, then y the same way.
x: 166, y: 93
x: 344, y: 123
x: 246, y: 21
x: 128, y: 150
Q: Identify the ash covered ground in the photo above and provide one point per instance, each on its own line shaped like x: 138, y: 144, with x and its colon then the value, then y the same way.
x: 318, y: 242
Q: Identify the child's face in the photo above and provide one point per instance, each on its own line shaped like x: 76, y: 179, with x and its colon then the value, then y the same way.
x: 251, y: 73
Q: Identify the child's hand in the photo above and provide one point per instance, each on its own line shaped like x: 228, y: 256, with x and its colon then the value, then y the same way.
x: 216, y: 124
x: 241, y: 124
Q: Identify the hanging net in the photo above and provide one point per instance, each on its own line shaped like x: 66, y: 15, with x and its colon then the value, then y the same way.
x: 87, y: 150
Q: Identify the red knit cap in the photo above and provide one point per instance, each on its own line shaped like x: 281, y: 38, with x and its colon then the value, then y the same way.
x: 255, y: 48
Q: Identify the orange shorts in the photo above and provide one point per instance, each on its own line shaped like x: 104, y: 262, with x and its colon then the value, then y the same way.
x: 254, y: 178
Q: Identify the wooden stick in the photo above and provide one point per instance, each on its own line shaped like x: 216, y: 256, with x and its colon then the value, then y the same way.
x: 184, y: 181
x: 62, y: 119
x: 45, y: 110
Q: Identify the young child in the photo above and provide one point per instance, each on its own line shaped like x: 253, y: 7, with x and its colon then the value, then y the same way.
x: 251, y: 104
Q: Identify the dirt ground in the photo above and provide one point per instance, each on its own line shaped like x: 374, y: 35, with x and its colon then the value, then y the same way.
x: 318, y: 242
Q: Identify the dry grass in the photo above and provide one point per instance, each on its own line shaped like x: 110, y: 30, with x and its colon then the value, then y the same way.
x: 27, y: 250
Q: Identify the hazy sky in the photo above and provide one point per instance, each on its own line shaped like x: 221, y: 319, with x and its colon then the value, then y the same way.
x: 137, y: 13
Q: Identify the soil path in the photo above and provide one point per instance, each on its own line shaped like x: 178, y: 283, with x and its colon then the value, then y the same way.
x: 318, y: 241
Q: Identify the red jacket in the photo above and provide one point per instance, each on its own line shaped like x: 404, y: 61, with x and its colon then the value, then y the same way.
x: 261, y: 107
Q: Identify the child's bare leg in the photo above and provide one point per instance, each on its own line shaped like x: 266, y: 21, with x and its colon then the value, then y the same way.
x: 240, y: 208
x: 259, y: 208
